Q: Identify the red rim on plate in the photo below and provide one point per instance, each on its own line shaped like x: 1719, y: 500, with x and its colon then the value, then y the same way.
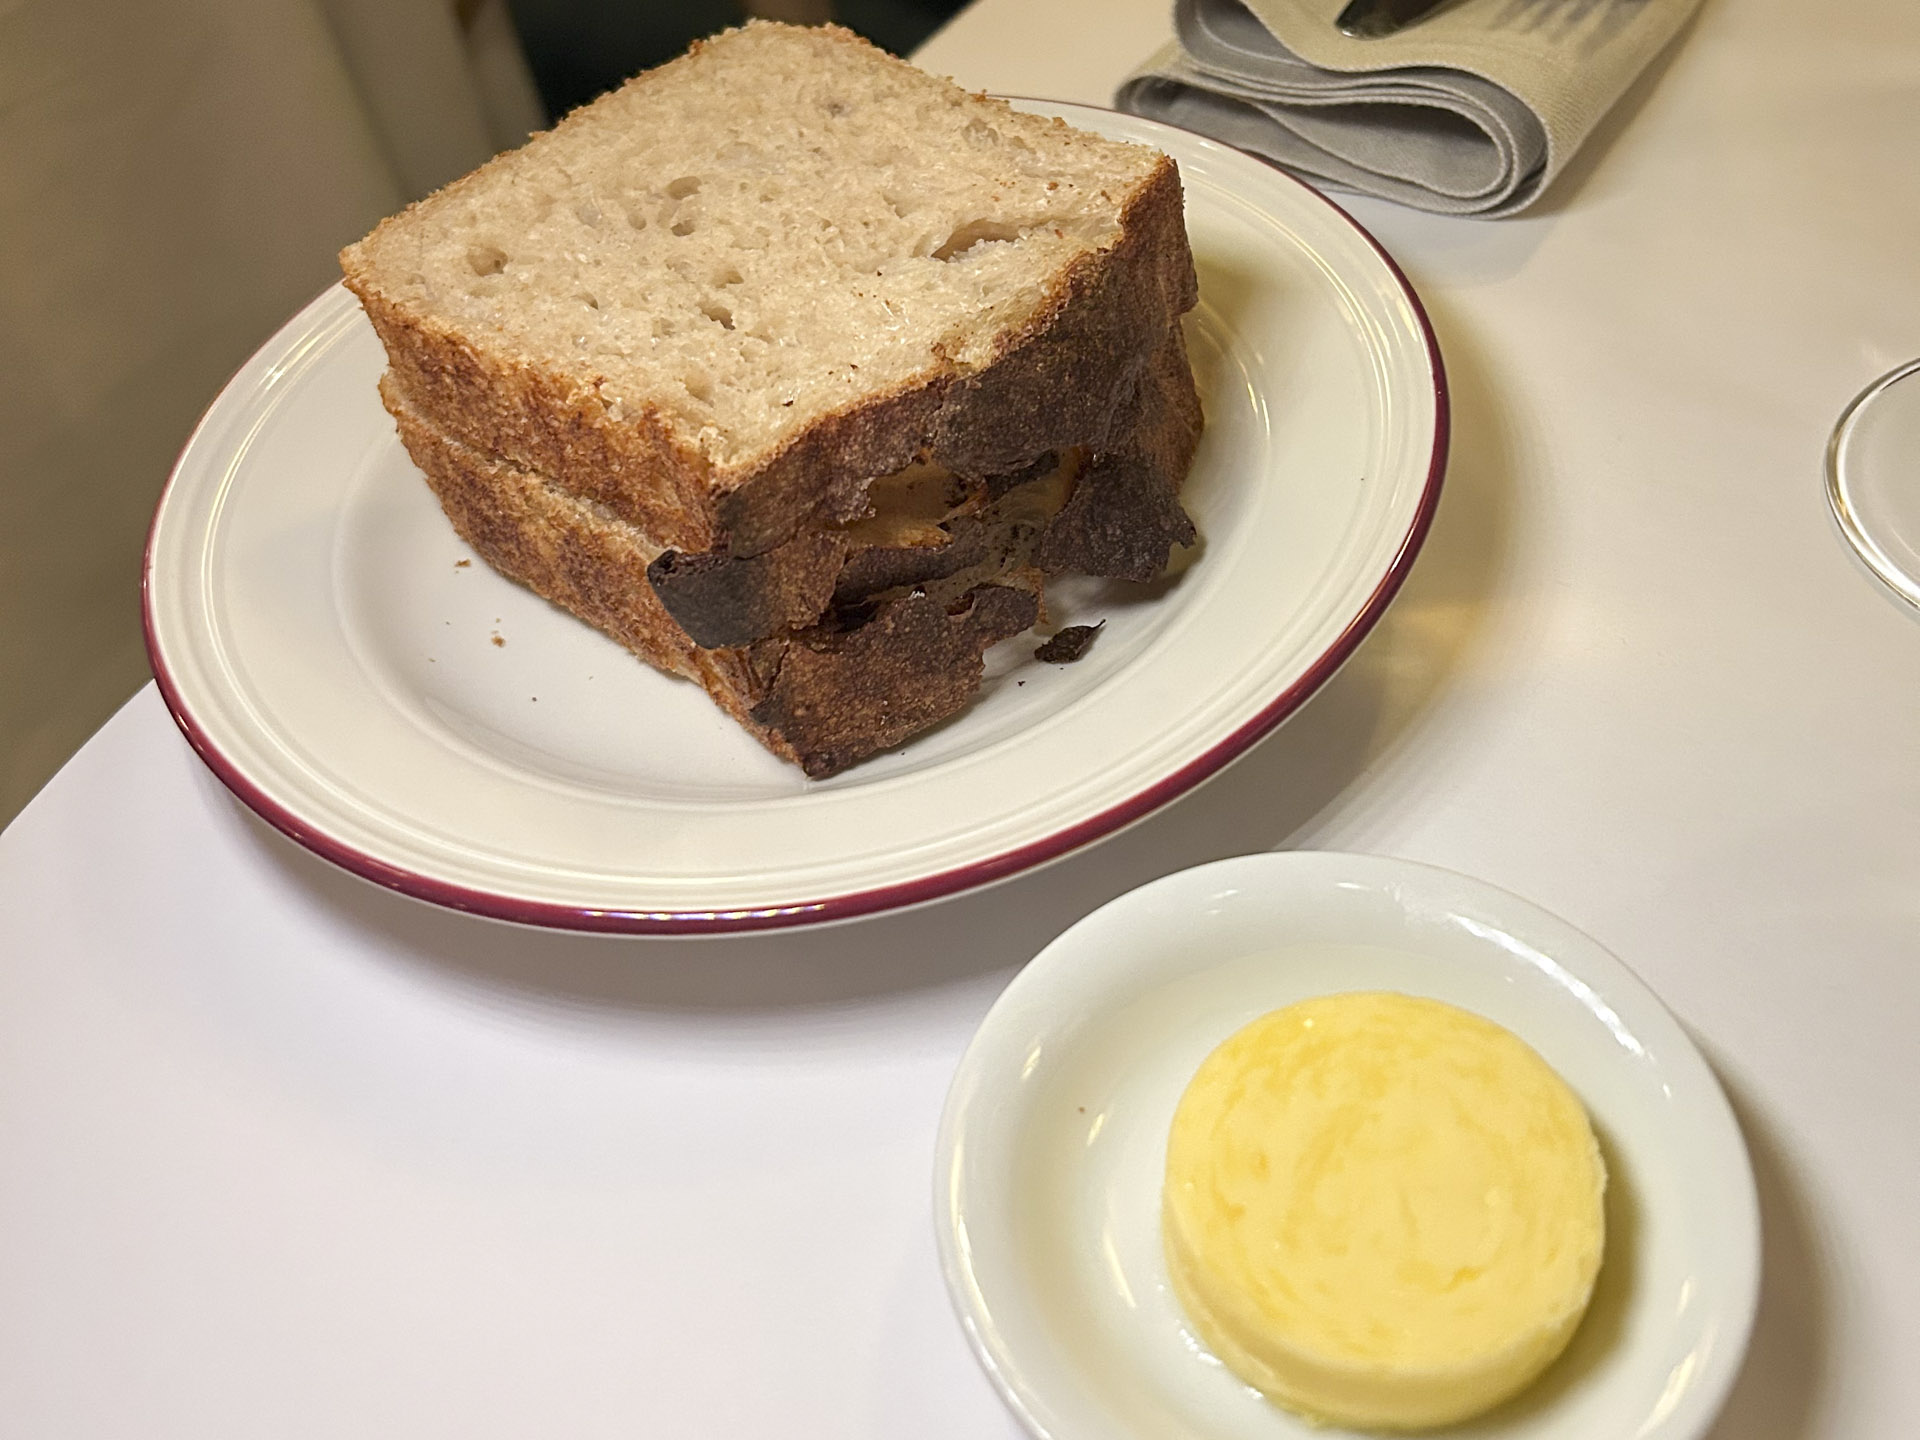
x: 856, y: 903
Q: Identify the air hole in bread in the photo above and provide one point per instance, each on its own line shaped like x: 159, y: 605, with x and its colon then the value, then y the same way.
x: 972, y: 233
x: 978, y: 132
x: 728, y: 275
x: 685, y: 225
x: 486, y: 259
x: 899, y: 204
x: 699, y: 386
x: 718, y: 313
x: 686, y: 185
x: 635, y: 218
x: 587, y: 213
x: 592, y: 302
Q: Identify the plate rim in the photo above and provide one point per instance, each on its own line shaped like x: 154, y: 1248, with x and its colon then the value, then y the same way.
x: 958, y: 1274
x: 853, y: 904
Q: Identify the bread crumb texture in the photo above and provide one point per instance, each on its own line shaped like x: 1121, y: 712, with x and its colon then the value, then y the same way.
x: 754, y: 235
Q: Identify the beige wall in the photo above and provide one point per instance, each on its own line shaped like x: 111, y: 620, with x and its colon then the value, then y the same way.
x: 175, y: 178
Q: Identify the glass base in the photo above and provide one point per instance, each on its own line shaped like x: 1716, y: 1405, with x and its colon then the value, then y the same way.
x: 1873, y: 478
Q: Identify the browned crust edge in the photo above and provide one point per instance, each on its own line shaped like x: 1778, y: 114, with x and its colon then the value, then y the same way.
x: 839, y: 699
x: 820, y: 698
x: 1124, y: 516
x: 527, y: 532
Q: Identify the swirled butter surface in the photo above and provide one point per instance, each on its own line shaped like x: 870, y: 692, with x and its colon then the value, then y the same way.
x: 1382, y: 1211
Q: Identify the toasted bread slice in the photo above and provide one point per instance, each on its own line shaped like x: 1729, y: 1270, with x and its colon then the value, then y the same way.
x: 722, y: 299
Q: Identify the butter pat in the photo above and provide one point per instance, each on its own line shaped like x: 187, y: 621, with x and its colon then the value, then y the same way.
x: 1381, y: 1211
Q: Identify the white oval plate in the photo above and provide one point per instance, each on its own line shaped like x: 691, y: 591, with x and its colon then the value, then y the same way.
x: 320, y: 636
x: 1053, y: 1142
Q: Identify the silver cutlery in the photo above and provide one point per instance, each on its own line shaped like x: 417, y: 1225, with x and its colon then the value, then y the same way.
x: 1370, y: 19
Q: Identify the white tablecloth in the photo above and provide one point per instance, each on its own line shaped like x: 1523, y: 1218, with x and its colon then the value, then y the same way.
x: 282, y: 1154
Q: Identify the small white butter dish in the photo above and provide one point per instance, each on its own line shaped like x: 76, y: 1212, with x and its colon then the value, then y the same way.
x: 1051, y: 1148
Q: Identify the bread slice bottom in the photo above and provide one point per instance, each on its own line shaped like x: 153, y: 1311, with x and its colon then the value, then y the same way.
x: 822, y: 697
x: 848, y: 640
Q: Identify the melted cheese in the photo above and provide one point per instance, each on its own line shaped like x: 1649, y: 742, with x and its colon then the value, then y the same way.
x: 1382, y: 1211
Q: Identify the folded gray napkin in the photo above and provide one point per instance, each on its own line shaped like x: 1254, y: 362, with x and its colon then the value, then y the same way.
x: 1470, y: 111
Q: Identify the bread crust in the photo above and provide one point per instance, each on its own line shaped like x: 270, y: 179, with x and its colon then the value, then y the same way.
x: 1123, y: 517
x: 548, y: 542
x: 836, y: 699
x: 721, y: 599
x: 822, y: 697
